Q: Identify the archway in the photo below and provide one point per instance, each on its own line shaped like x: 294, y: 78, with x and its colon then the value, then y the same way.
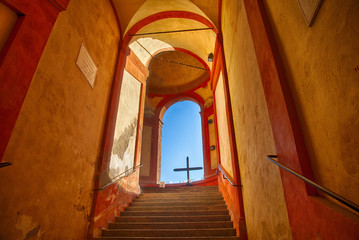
x: 181, y: 137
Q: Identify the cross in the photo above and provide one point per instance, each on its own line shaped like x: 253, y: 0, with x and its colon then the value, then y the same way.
x: 187, y: 169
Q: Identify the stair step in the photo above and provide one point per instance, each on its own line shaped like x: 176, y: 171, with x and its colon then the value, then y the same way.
x: 179, y: 189
x: 171, y: 225
x: 169, y: 232
x: 174, y: 199
x: 178, y: 203
x: 173, y: 218
x: 177, y: 208
x: 174, y: 213
x: 171, y: 238
x: 181, y: 194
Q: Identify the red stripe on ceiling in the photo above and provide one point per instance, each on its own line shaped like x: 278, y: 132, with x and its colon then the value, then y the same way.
x: 164, y: 15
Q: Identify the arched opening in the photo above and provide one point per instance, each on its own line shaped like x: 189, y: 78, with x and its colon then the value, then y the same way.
x: 181, y: 137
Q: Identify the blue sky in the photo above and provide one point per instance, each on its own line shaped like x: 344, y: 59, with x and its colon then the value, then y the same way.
x: 181, y: 137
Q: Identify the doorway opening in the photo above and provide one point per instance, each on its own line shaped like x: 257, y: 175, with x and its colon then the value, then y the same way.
x: 181, y: 138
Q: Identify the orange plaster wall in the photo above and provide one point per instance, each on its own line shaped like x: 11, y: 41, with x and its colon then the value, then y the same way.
x: 57, y: 137
x: 263, y: 198
x: 320, y: 64
x: 321, y: 218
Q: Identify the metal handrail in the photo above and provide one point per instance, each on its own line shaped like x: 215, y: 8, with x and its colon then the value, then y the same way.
x: 133, y: 169
x: 225, y: 177
x: 334, y: 195
x: 5, y: 164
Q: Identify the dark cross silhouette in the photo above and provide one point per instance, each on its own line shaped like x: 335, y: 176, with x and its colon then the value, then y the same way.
x: 187, y: 169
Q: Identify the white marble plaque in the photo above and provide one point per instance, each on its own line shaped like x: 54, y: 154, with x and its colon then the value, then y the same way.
x: 309, y: 9
x: 86, y: 65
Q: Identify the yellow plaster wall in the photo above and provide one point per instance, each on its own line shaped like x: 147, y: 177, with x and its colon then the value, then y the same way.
x: 222, y: 123
x: 8, y: 19
x: 55, y: 145
x: 320, y: 65
x: 264, y: 203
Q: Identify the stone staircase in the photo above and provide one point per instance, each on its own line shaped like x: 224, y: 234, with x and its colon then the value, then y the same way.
x: 188, y: 212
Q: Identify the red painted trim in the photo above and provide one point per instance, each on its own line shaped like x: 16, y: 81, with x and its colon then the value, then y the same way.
x: 31, y: 32
x: 135, y: 67
x: 220, y: 14
x: 164, y: 15
x: 170, y: 100
x: 309, y: 218
x: 215, y: 68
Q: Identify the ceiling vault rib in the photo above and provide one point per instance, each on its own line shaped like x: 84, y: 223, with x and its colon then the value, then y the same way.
x: 174, y: 31
x: 171, y: 61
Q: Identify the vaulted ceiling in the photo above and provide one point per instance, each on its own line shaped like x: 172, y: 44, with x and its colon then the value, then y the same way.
x: 177, y: 61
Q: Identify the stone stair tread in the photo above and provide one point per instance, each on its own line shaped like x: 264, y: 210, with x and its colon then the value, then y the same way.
x: 170, y: 238
x: 172, y: 218
x: 177, y: 203
x: 163, y: 194
x: 180, y: 189
x: 169, y: 208
x: 179, y: 197
x: 171, y: 225
x: 193, y: 199
x: 175, y: 213
x: 169, y: 232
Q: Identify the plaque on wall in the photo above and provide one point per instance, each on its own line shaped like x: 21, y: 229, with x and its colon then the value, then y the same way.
x: 309, y: 10
x: 86, y: 65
